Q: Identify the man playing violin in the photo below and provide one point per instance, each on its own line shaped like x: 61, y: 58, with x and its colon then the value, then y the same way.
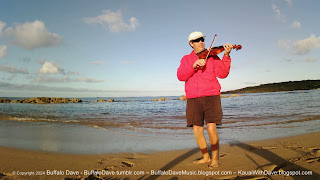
x: 203, y: 94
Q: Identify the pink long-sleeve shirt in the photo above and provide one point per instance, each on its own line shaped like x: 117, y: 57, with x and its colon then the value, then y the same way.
x: 203, y: 82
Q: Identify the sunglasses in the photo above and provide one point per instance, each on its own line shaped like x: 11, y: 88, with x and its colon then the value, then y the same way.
x: 198, y: 40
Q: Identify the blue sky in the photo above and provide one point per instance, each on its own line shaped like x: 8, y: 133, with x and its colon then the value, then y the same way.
x: 80, y: 48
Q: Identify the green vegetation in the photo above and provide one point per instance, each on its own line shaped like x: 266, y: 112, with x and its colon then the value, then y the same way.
x: 282, y: 86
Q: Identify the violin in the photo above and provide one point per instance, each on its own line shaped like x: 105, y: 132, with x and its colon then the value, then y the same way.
x: 214, y: 51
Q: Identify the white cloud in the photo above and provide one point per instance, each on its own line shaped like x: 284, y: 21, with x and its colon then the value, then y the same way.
x: 65, y: 79
x: 2, y: 25
x: 296, y: 24
x: 3, y: 51
x: 285, y: 45
x: 13, y: 70
x: 10, y: 78
x: 309, y: 60
x: 289, y: 2
x: 300, y: 47
x: 278, y: 14
x: 89, y: 80
x: 48, y: 79
x: 3, y: 48
x: 306, y: 45
x: 53, y: 73
x: 50, y: 68
x: 74, y: 72
x: 32, y: 35
x: 40, y: 87
x: 114, y: 21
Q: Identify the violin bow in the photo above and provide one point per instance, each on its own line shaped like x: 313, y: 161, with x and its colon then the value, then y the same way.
x: 214, y: 38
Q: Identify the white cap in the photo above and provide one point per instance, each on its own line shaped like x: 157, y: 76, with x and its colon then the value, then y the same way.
x: 195, y: 35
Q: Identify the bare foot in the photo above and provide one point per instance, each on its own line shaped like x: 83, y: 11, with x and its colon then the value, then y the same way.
x: 201, y: 161
x: 214, y: 164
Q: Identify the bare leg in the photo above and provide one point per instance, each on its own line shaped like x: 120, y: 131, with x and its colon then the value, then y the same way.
x: 214, y: 142
x: 202, y: 143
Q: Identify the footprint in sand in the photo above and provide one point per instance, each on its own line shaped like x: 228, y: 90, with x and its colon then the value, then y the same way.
x: 311, y: 160
x: 314, y: 148
x: 268, y: 147
x: 103, y: 161
x: 294, y: 159
x: 128, y: 163
x: 315, y: 151
x: 2, y: 175
x: 253, y: 147
x: 222, y: 155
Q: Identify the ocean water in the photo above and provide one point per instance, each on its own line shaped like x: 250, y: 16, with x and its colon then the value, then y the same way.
x: 138, y: 124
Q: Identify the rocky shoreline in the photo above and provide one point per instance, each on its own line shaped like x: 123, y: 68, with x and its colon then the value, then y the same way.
x: 104, y: 100
x: 42, y: 100
x: 49, y: 100
x: 55, y: 100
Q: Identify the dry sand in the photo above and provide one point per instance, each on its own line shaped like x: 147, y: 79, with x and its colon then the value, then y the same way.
x: 240, y: 160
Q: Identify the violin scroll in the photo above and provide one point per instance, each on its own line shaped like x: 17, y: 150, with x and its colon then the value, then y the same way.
x: 214, y: 51
x: 237, y: 47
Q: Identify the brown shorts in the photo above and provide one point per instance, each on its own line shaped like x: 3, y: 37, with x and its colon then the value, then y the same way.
x: 204, y: 108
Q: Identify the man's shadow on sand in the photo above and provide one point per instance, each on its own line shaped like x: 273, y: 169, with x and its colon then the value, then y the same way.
x: 266, y: 154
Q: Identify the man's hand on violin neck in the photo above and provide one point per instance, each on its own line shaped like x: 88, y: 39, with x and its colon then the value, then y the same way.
x: 199, y: 63
x: 227, y: 49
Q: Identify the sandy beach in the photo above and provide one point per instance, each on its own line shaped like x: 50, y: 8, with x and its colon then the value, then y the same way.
x: 295, y: 157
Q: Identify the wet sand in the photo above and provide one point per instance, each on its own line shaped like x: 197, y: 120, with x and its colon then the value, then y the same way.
x: 239, y: 160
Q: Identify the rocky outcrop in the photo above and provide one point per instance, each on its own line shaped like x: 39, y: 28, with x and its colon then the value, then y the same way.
x: 236, y: 95
x: 42, y: 100
x: 232, y: 95
x: 75, y: 100
x: 183, y: 98
x: 61, y: 100
x: 161, y: 99
x: 104, y: 100
x: 2, y: 100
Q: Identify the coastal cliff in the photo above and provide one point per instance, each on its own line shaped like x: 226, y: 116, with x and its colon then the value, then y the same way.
x: 282, y: 86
